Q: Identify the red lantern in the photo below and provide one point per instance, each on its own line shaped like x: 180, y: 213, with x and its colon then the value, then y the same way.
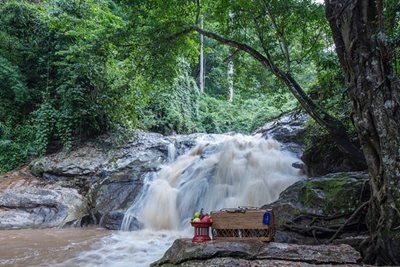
x: 201, y: 231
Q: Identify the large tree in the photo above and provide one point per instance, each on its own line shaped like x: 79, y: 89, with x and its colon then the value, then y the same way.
x: 358, y: 30
x: 268, y: 31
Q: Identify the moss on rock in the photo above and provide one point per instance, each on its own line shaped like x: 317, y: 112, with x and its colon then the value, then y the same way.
x: 304, y: 202
x: 331, y: 195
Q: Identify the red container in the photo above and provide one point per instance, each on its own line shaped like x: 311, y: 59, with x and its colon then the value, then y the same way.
x: 201, y: 231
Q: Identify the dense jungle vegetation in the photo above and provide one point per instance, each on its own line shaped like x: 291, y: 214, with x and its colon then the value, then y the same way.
x: 73, y: 69
x: 70, y: 70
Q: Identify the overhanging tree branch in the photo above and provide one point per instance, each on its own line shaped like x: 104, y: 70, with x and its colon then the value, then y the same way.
x: 331, y: 124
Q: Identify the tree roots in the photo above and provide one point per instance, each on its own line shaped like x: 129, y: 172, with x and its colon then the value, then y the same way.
x: 325, y: 227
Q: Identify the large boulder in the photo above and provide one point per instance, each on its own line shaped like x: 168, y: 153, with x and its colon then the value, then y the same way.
x: 288, y: 129
x: 322, y: 156
x: 95, y: 183
x: 108, y: 174
x: 318, y: 152
x: 307, y: 207
x: 27, y: 202
x: 184, y: 252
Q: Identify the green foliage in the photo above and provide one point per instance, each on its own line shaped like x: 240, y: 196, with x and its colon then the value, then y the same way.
x: 329, y: 92
x: 242, y: 116
x: 71, y: 70
x: 13, y: 91
x: 15, y: 145
x: 180, y: 108
x: 64, y: 73
x: 174, y: 108
x: 392, y: 30
x: 15, y: 138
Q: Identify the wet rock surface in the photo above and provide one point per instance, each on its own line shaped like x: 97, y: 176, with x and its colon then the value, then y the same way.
x: 217, y: 262
x: 320, y: 157
x: 323, y: 157
x: 288, y: 129
x: 100, y: 179
x: 308, y: 202
x: 27, y: 202
x: 255, y: 253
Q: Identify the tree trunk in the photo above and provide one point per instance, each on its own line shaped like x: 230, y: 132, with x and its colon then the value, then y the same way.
x: 229, y: 75
x: 230, y: 71
x: 201, y: 78
x: 357, y: 28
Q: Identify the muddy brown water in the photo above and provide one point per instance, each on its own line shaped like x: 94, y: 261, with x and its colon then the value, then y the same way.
x: 46, y: 247
x: 87, y: 247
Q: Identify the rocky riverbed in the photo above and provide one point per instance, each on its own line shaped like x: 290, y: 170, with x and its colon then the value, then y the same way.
x: 97, y: 182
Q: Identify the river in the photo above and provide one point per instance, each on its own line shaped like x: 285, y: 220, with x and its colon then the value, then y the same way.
x: 84, y: 247
x: 221, y: 172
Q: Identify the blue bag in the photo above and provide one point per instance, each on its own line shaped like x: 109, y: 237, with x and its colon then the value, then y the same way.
x: 266, y: 218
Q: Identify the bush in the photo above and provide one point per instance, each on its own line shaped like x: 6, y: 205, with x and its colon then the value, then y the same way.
x: 16, y: 145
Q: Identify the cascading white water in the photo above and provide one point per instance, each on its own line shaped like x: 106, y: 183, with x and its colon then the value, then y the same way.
x: 171, y: 152
x: 220, y: 172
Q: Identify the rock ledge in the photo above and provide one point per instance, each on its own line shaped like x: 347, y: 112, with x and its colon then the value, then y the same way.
x: 256, y: 253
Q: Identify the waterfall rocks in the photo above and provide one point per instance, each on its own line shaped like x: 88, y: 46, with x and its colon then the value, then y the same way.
x: 256, y: 253
x: 220, y: 171
x: 93, y: 181
x: 321, y: 156
x: 109, y: 177
x: 28, y: 202
x: 312, y: 210
x: 98, y: 181
x: 288, y: 129
x: 113, y: 219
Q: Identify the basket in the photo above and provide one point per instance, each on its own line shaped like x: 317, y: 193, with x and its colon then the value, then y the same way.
x: 243, y: 223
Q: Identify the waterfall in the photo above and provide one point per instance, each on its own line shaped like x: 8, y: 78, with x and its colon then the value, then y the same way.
x: 171, y: 152
x: 219, y: 172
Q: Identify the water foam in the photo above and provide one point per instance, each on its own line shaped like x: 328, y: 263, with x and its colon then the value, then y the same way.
x: 126, y: 249
x: 221, y: 171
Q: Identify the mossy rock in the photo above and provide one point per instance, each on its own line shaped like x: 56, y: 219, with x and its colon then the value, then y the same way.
x: 332, y: 194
